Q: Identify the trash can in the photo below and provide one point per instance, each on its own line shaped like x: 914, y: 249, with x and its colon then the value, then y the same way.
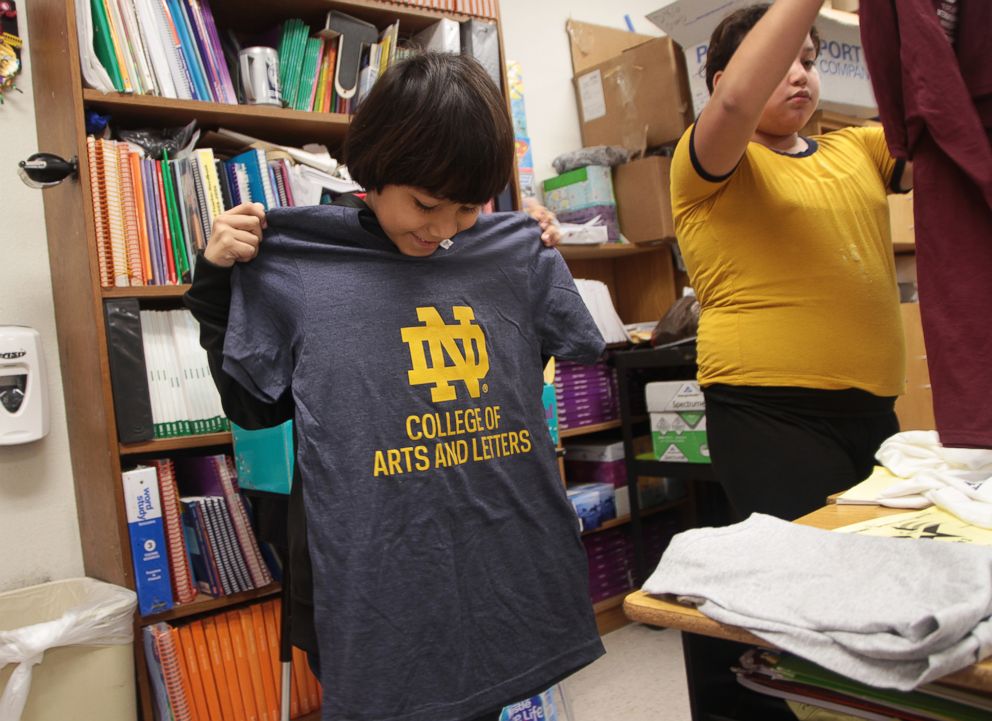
x: 66, y: 652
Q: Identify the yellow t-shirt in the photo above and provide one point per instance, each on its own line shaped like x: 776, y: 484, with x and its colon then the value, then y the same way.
x: 791, y: 259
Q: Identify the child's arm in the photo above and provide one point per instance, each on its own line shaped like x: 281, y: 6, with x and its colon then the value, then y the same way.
x: 731, y: 116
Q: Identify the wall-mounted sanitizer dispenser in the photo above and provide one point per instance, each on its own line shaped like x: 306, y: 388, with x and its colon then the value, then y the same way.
x: 23, y: 386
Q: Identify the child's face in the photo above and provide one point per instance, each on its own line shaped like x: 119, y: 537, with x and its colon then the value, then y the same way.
x: 795, y: 99
x: 416, y: 221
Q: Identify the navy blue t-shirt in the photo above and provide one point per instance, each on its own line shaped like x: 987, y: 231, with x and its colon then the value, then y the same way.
x: 449, y: 576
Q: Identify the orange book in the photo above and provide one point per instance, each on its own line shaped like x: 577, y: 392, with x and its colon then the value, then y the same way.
x: 264, y: 706
x: 139, y: 200
x: 313, y: 689
x: 230, y: 667
x: 188, y: 647
x: 217, y: 665
x: 233, y: 621
x: 298, y: 683
x: 206, y: 671
x: 271, y: 611
x: 267, y: 664
x: 187, y: 682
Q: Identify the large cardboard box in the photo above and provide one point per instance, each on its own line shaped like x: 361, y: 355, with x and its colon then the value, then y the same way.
x: 644, y: 201
x: 900, y: 220
x: 677, y: 412
x: 592, y: 44
x: 637, y: 99
x: 846, y: 86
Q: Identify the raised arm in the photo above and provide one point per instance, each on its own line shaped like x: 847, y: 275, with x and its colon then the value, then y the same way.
x: 741, y: 91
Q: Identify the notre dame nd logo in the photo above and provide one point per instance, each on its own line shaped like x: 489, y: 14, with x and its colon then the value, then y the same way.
x: 463, y: 343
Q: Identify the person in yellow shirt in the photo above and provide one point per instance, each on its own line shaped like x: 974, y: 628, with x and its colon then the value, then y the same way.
x: 786, y: 240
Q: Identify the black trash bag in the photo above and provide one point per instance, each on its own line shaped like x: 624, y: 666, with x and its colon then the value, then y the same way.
x: 155, y: 140
x: 679, y: 323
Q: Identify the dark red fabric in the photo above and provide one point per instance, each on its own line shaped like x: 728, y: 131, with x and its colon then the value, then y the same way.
x: 935, y: 101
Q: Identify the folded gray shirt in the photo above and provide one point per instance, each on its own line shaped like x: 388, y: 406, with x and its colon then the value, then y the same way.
x: 889, y: 612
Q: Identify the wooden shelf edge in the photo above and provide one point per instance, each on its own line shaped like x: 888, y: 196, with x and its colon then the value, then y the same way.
x: 583, y: 430
x: 645, y: 513
x: 164, y: 445
x: 146, y: 291
x: 208, y: 109
x: 205, y: 604
x: 609, y: 250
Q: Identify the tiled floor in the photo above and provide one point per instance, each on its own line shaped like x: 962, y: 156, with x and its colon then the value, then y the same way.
x: 641, y: 678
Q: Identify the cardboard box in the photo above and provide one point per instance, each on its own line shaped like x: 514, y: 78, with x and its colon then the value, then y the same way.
x: 637, y: 99
x: 592, y: 44
x: 900, y: 220
x: 581, y: 194
x: 677, y: 414
x: 845, y: 87
x: 644, y: 201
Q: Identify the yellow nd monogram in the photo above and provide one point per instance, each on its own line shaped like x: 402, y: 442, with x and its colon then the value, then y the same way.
x: 469, y: 359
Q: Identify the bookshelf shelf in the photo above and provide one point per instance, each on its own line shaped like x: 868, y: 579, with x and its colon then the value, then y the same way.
x: 205, y: 604
x: 607, y: 251
x: 647, y: 512
x: 585, y: 430
x: 282, y: 125
x: 166, y: 445
x: 147, y: 291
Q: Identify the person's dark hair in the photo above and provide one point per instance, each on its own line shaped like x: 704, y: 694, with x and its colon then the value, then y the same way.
x: 728, y: 35
x: 434, y: 121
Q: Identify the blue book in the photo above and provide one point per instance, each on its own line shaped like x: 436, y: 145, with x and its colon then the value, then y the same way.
x: 264, y: 458
x: 256, y: 187
x: 189, y: 52
x: 147, y: 531
x: 197, y: 543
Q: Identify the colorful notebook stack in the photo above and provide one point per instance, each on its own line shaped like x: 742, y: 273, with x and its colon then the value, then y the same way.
x: 476, y: 8
x: 307, y: 67
x: 200, y: 540
x: 169, y: 48
x: 225, y: 555
x: 152, y: 216
x: 587, y: 395
x: 610, y: 554
x: 184, y: 400
x: 226, y: 666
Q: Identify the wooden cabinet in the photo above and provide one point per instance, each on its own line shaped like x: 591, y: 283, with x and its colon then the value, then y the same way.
x: 62, y: 101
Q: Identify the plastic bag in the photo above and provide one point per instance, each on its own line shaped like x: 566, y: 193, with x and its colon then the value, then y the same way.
x: 102, y: 614
x: 154, y: 140
x: 680, y: 322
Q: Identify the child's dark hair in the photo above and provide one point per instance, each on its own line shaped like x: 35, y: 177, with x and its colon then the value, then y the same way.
x: 437, y: 122
x: 728, y: 35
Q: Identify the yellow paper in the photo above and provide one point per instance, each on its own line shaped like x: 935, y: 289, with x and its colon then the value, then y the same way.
x: 868, y: 490
x: 929, y: 524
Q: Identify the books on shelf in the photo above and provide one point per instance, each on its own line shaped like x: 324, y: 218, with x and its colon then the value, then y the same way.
x: 151, y: 217
x: 587, y: 395
x: 146, y: 529
x: 596, y: 296
x: 184, y: 400
x: 169, y: 48
x: 226, y: 666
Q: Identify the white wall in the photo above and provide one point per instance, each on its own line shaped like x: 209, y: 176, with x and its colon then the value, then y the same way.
x: 39, y: 534
x: 534, y: 35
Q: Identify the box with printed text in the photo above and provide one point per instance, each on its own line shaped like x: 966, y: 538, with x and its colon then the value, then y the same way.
x: 677, y: 413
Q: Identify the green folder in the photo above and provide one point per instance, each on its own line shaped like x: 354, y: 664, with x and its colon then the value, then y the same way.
x: 103, y: 44
x: 175, y: 225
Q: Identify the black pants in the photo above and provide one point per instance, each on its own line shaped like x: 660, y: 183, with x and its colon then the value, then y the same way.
x: 782, y: 451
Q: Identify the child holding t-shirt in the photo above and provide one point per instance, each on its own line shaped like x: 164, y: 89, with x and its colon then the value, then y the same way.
x: 448, y: 577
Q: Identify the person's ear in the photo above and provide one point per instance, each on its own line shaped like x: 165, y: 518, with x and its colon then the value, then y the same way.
x: 716, y: 77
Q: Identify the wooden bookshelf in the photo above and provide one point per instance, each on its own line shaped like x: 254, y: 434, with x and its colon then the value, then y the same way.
x: 606, y: 251
x: 591, y: 428
x: 179, y: 443
x: 61, y: 102
x: 146, y: 291
x: 205, y: 604
x: 646, y: 513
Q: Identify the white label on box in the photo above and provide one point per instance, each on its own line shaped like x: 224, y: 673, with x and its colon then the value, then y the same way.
x: 591, y: 96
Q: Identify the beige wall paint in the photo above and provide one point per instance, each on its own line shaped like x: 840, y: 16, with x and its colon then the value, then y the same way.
x: 39, y: 535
